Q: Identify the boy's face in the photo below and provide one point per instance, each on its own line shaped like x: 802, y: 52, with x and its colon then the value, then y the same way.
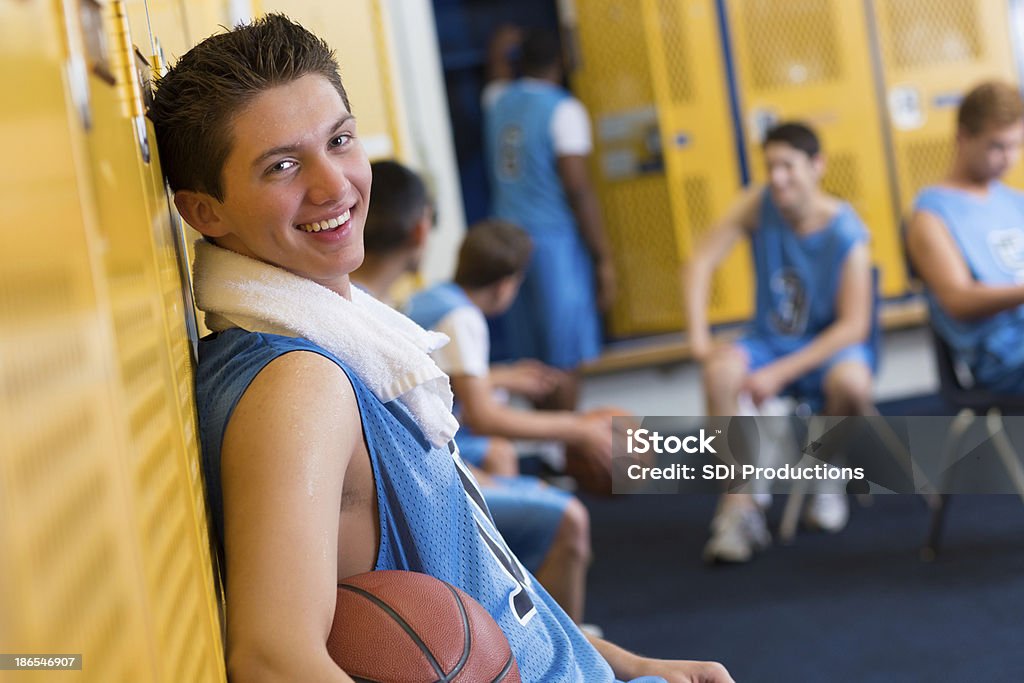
x: 793, y: 176
x: 990, y: 154
x: 505, y: 293
x: 295, y: 165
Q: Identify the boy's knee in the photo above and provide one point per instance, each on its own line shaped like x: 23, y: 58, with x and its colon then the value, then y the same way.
x: 574, y: 531
x: 724, y: 371
x: 501, y: 458
x: 850, y: 389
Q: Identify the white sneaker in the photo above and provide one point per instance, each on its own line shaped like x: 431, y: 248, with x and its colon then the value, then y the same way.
x: 827, y: 512
x: 736, y: 534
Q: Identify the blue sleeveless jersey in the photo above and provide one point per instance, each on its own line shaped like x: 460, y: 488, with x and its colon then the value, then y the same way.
x: 429, y: 307
x: 990, y: 233
x: 798, y: 276
x: 525, y: 186
x: 432, y: 517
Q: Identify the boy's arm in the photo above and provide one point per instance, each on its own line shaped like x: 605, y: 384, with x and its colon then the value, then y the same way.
x: 579, y: 190
x: 527, y: 377
x: 854, y: 302
x: 487, y: 417
x: 707, y: 254
x: 627, y: 665
x: 284, y: 457
x: 939, y: 263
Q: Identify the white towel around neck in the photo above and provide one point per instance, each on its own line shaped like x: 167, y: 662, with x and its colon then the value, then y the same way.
x: 386, y: 350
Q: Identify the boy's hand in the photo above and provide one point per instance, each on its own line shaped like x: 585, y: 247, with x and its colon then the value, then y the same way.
x: 595, y: 438
x: 680, y: 671
x: 703, y: 345
x: 606, y: 285
x: 765, y: 383
x: 527, y: 377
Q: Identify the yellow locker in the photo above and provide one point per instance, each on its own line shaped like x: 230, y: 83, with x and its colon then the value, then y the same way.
x: 103, y: 524
x: 70, y: 565
x: 811, y: 61
x: 932, y: 52
x: 154, y: 370
x: 173, y: 26
x: 652, y: 78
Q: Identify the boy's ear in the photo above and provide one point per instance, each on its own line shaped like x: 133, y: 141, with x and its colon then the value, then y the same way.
x: 420, y: 232
x: 818, y: 162
x: 200, y: 210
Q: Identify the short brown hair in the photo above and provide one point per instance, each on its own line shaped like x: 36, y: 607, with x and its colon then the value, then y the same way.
x: 491, y: 251
x: 797, y: 135
x: 993, y: 103
x: 197, y: 99
x: 397, y: 203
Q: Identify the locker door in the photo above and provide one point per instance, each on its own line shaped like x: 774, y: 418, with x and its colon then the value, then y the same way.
x: 810, y: 60
x: 664, y: 154
x: 153, y: 365
x: 71, y: 581
x: 932, y: 52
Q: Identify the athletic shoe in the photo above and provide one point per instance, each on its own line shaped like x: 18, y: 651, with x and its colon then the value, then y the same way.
x: 827, y: 512
x: 736, y: 534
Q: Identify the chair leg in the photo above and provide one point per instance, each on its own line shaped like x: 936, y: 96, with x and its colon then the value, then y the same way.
x: 791, y: 513
x: 1007, y: 453
x: 940, y: 502
x: 956, y: 431
x: 795, y: 501
x: 897, y: 450
x: 931, y: 548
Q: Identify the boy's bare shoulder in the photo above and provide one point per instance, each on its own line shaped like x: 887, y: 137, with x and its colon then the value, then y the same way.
x: 299, y: 396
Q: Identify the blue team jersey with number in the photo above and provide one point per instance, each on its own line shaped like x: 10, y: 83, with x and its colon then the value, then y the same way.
x: 798, y: 275
x: 433, y: 518
x: 989, y: 231
x: 525, y: 184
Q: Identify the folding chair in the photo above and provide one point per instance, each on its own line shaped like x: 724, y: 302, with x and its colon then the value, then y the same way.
x: 804, y: 408
x: 956, y: 386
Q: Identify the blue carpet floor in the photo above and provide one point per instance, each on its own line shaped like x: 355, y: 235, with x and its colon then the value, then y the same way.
x: 859, y: 606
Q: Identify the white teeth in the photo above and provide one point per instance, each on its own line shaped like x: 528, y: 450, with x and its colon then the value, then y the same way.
x: 328, y: 224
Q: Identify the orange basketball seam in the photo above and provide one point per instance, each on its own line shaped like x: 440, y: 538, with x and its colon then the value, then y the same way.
x: 467, y: 640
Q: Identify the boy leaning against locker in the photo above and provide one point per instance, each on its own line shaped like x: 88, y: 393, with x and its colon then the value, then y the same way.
x: 311, y: 395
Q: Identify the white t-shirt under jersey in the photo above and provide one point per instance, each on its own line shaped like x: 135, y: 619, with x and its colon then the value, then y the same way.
x: 469, y: 349
x: 570, y: 126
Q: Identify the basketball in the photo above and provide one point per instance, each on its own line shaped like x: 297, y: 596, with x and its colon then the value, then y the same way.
x: 405, y: 627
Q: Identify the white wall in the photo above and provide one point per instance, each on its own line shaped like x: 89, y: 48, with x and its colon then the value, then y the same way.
x: 420, y: 79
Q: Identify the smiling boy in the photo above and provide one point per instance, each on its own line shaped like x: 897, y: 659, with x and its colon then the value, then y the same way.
x: 317, y: 466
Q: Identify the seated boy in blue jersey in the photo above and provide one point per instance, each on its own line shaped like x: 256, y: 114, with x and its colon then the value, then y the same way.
x: 966, y: 241
x: 812, y: 319
x: 491, y: 263
x: 546, y: 528
x: 325, y: 426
